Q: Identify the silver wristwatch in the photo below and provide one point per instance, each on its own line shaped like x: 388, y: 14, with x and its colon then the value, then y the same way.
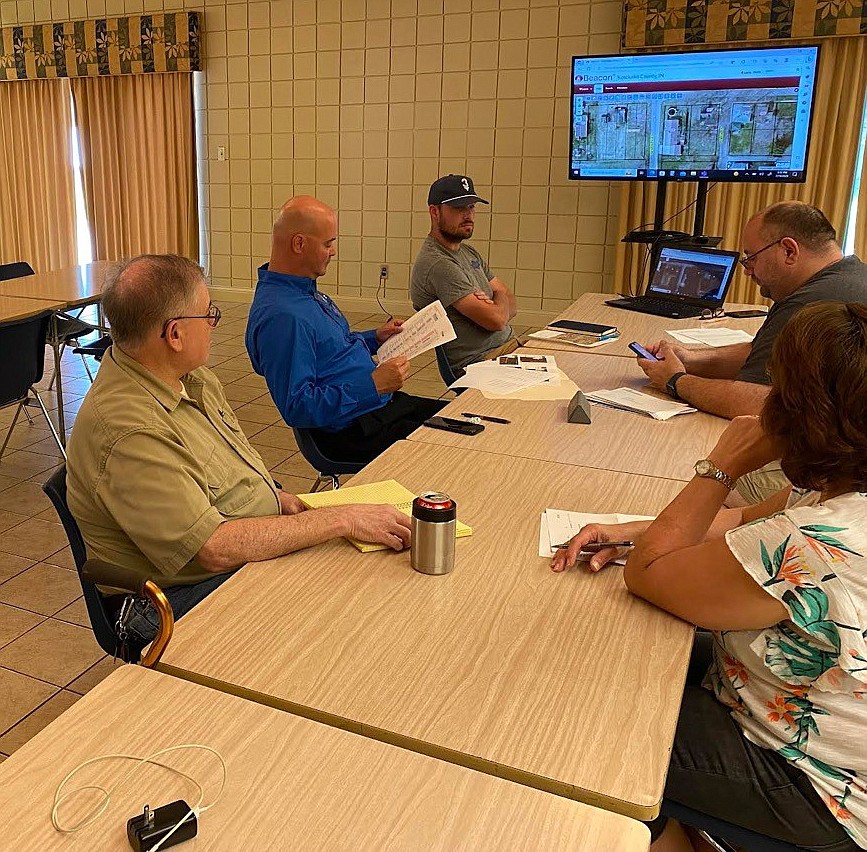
x: 706, y: 469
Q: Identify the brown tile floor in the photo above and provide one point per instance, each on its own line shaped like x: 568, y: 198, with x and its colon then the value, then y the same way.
x: 48, y: 656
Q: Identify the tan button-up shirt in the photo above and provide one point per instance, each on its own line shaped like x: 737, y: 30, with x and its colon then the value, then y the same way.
x: 152, y: 473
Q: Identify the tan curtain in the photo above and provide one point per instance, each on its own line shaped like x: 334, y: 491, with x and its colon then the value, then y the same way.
x: 37, y: 200
x: 138, y: 157
x: 861, y: 213
x: 831, y: 167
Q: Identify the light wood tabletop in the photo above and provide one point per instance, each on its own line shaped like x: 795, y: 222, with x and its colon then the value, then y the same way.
x: 564, y: 682
x: 310, y: 785
x: 72, y: 287
x: 614, y: 440
x: 643, y: 328
x: 18, y: 307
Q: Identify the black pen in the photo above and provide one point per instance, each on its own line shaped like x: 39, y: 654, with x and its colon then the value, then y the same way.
x: 596, y: 546
x: 486, y: 418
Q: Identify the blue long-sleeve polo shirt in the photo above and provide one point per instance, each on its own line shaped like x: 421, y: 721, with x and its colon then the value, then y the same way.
x: 319, y: 372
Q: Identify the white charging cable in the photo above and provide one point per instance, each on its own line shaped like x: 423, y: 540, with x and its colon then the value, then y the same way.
x: 100, y: 807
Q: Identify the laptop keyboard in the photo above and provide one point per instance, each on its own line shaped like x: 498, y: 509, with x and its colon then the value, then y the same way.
x: 659, y: 307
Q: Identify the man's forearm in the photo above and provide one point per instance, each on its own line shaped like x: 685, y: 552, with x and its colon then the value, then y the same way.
x: 243, y: 540
x: 722, y: 363
x: 722, y: 397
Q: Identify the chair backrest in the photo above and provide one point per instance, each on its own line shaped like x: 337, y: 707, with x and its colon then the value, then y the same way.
x: 445, y: 368
x: 310, y: 450
x: 101, y: 620
x: 22, y: 343
x: 19, y: 269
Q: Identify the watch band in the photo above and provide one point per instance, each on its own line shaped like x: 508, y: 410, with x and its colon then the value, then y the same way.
x: 706, y: 469
x: 671, y: 384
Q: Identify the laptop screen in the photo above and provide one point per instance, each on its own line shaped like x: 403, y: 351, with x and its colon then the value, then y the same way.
x: 692, y: 273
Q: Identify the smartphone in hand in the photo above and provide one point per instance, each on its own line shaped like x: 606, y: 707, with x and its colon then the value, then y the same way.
x: 641, y: 352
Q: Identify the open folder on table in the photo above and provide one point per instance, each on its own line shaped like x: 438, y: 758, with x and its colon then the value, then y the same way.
x: 627, y: 399
x: 557, y: 526
x: 388, y: 491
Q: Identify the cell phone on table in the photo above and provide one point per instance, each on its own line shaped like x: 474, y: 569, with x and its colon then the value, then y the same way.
x: 746, y: 314
x: 641, y: 352
x: 449, y: 424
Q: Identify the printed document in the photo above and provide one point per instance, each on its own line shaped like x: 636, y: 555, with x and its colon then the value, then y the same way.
x: 711, y: 336
x: 557, y: 526
x: 491, y: 376
x: 422, y: 331
x: 546, y: 364
x: 573, y: 338
x: 628, y: 399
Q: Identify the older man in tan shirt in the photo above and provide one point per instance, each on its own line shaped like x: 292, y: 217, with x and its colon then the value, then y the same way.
x: 160, y: 475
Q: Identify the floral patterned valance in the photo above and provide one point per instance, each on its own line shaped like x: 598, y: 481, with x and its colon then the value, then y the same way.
x: 139, y: 44
x: 649, y: 23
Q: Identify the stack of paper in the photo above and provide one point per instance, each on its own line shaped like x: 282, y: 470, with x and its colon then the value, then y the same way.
x: 389, y: 491
x: 491, y: 376
x: 545, y: 364
x: 628, y: 399
x: 712, y: 336
x: 557, y: 526
x: 428, y: 328
x: 573, y: 338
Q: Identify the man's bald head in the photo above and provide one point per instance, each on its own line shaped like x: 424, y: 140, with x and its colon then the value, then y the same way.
x: 140, y: 294
x: 303, y: 237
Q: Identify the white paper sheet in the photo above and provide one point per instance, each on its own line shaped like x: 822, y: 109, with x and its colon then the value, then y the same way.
x: 422, y: 331
x: 557, y: 526
x: 628, y: 399
x: 711, y: 336
x: 545, y: 364
x: 488, y: 375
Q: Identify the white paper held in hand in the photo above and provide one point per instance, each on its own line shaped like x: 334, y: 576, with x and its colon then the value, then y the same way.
x: 422, y: 331
x: 557, y: 526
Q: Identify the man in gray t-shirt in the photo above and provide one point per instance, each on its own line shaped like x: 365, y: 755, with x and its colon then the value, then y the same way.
x: 791, y: 252
x: 478, y: 304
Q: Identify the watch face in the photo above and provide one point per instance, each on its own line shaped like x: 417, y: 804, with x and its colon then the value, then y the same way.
x: 703, y: 467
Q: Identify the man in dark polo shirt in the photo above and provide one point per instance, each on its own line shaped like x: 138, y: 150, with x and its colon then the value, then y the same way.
x: 791, y: 252
x: 478, y: 304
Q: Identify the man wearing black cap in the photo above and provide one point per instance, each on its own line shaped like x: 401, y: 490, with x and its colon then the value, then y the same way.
x: 479, y: 305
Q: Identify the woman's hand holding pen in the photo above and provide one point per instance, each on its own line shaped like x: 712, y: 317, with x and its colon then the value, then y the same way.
x: 593, y: 534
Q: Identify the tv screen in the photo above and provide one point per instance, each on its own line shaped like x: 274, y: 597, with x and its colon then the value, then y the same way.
x: 722, y: 115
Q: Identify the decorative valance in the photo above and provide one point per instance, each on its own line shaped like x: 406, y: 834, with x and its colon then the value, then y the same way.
x: 139, y: 44
x: 651, y: 23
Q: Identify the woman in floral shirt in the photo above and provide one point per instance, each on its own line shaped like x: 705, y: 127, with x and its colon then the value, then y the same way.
x: 775, y: 740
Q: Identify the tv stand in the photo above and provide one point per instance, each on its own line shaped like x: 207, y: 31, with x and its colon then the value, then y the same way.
x: 659, y: 234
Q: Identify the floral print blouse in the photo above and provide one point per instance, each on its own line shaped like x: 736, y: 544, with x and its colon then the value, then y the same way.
x: 800, y: 688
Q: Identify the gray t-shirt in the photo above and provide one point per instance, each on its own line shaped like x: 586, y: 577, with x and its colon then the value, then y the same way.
x: 843, y: 281
x: 439, y: 273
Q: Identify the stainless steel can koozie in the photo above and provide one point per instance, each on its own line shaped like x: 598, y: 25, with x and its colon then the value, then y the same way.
x: 434, y: 525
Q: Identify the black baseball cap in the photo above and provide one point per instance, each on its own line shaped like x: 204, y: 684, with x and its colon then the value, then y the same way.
x: 454, y: 190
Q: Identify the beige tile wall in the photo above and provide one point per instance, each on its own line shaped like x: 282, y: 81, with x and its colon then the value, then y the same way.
x: 365, y: 102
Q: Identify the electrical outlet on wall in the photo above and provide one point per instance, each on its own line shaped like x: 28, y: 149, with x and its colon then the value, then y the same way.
x: 383, y: 271
x: 221, y: 153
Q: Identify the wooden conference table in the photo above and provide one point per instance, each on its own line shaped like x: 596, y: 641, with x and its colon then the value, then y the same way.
x: 563, y: 682
x: 17, y: 307
x: 644, y: 328
x: 67, y: 289
x: 307, y: 784
x: 614, y: 440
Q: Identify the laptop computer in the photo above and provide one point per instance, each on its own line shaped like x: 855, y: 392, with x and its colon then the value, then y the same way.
x: 687, y: 280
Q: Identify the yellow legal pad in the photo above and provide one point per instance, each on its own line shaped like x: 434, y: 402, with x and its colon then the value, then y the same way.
x: 388, y: 491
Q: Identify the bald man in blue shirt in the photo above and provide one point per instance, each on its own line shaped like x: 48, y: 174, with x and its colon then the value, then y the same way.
x: 321, y: 375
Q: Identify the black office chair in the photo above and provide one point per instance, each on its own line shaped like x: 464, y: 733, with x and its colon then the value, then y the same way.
x: 68, y: 329
x: 99, y: 607
x: 446, y: 372
x: 23, y: 345
x: 19, y: 269
x: 328, y: 470
x: 723, y: 834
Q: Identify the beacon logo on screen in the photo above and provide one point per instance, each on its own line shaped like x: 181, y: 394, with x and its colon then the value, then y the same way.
x: 593, y: 78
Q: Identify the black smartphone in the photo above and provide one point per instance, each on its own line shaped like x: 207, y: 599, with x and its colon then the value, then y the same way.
x: 449, y: 424
x: 641, y: 352
x: 746, y: 314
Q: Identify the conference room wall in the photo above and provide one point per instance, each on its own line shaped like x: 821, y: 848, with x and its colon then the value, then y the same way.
x: 365, y: 103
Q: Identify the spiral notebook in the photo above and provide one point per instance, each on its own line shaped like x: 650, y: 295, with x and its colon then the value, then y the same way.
x: 388, y: 491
